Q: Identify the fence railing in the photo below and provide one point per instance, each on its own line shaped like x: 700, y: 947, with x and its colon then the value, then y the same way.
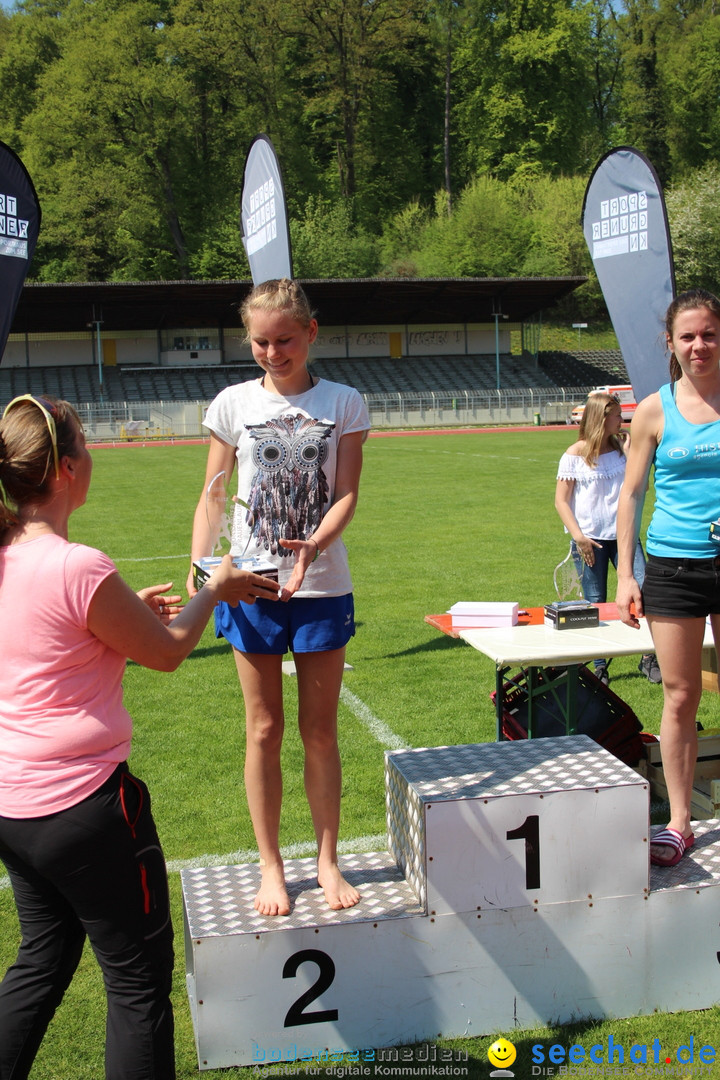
x: 147, y: 420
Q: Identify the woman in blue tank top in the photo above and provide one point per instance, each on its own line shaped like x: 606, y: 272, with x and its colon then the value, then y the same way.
x: 677, y: 430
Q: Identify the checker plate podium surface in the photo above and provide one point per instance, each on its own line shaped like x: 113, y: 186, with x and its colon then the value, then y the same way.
x: 451, y: 812
x: 220, y: 900
x: 519, y: 867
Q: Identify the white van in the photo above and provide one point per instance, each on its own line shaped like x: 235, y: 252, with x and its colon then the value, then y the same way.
x: 624, y: 394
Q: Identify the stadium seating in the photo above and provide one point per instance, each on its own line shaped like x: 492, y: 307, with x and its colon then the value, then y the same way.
x: 590, y: 368
x: 374, y: 376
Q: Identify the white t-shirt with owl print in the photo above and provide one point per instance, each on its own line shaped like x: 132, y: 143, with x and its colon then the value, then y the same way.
x: 286, y: 461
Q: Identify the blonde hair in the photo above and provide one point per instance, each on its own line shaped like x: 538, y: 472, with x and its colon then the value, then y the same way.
x: 27, y: 457
x: 277, y: 294
x: 687, y: 301
x: 592, y: 427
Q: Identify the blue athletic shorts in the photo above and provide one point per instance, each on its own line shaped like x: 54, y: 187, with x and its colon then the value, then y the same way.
x: 273, y: 627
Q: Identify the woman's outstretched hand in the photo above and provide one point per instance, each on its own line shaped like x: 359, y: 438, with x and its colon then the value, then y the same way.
x: 165, y: 607
x: 233, y: 585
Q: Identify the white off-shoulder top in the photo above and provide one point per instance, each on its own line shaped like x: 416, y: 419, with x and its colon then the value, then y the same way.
x: 594, y: 500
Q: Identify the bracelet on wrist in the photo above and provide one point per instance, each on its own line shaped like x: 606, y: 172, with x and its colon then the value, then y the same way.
x: 317, y: 547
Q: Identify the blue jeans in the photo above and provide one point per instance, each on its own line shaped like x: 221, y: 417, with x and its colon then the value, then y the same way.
x: 594, y: 578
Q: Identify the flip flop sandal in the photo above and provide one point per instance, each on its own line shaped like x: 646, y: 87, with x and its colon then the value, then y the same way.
x: 670, y: 838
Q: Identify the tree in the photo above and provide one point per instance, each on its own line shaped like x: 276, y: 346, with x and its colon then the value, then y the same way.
x: 363, y: 73
x: 111, y: 141
x: 556, y: 245
x: 30, y: 42
x: 693, y: 206
x: 642, y: 94
x: 690, y: 67
x: 525, y: 73
x: 485, y: 235
x: 326, y: 243
x: 447, y: 20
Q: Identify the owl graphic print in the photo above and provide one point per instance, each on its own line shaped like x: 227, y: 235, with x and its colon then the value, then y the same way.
x: 286, y: 453
x: 289, y: 489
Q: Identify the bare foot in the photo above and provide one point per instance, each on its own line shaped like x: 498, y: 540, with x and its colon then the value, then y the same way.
x: 338, y: 893
x: 272, y: 897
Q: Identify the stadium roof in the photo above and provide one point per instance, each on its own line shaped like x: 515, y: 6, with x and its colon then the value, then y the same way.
x: 153, y: 305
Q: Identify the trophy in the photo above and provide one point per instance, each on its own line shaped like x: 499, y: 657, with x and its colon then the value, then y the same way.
x: 223, y: 512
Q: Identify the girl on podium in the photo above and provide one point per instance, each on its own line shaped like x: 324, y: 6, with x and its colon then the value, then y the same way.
x: 77, y: 835
x: 677, y: 430
x: 297, y: 441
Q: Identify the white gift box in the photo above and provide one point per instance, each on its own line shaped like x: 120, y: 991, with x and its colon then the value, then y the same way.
x: 466, y: 615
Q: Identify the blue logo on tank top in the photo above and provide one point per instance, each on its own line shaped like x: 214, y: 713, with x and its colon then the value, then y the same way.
x: 678, y: 452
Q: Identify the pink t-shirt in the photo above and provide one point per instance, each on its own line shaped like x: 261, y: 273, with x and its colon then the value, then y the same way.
x: 63, y: 726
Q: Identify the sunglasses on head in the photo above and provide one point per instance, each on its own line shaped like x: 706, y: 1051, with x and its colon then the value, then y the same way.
x: 48, y: 410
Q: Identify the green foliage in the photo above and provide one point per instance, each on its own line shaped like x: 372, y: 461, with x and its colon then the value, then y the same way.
x: 691, y: 71
x: 326, y: 242
x: 525, y: 72
x: 400, y: 238
x: 693, y: 207
x: 134, y: 118
x: 221, y: 255
x: 485, y: 235
x: 643, y: 100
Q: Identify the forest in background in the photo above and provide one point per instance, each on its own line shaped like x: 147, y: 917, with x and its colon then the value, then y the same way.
x: 417, y: 138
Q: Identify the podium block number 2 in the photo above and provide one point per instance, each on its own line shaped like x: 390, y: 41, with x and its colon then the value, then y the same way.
x: 529, y: 831
x: 296, y: 1014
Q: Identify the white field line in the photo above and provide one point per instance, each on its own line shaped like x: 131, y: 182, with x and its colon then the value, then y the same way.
x: 378, y: 842
x: 152, y: 558
x: 387, y: 739
x: 291, y: 851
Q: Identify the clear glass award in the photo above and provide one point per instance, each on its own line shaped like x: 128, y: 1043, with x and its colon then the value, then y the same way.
x: 223, y: 511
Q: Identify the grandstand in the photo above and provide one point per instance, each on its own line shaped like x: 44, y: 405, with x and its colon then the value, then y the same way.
x: 80, y: 384
x: 589, y: 368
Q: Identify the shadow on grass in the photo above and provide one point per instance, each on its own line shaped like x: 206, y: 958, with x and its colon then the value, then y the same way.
x: 198, y: 654
x: 441, y: 644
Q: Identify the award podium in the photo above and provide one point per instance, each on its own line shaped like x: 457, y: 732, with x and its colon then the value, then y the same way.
x: 515, y: 891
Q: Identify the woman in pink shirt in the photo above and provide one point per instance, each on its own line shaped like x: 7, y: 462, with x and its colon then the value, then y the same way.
x: 76, y: 832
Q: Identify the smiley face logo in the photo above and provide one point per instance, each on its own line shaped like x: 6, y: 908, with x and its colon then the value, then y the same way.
x: 502, y: 1053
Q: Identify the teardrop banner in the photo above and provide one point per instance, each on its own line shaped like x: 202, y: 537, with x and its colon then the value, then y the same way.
x: 626, y: 229
x: 19, y: 226
x: 266, y: 232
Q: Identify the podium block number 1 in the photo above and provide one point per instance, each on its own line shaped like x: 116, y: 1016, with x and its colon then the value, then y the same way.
x: 535, y: 848
x: 529, y: 831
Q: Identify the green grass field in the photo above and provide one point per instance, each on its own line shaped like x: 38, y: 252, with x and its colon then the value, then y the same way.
x: 441, y: 518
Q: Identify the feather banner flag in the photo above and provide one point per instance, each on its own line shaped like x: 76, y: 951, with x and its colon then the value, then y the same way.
x: 266, y: 233
x: 19, y: 226
x: 626, y: 229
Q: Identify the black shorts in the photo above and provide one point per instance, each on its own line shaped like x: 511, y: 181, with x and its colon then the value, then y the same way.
x: 681, y: 588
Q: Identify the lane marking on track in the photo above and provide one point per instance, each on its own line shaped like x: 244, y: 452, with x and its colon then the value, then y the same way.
x: 292, y: 851
x: 306, y: 849
x: 378, y: 728
x: 150, y: 558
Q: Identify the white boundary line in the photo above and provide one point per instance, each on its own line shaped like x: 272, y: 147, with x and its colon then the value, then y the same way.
x: 151, y: 558
x: 387, y: 738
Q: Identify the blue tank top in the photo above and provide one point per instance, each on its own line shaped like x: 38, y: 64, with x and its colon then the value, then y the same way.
x: 687, y: 486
